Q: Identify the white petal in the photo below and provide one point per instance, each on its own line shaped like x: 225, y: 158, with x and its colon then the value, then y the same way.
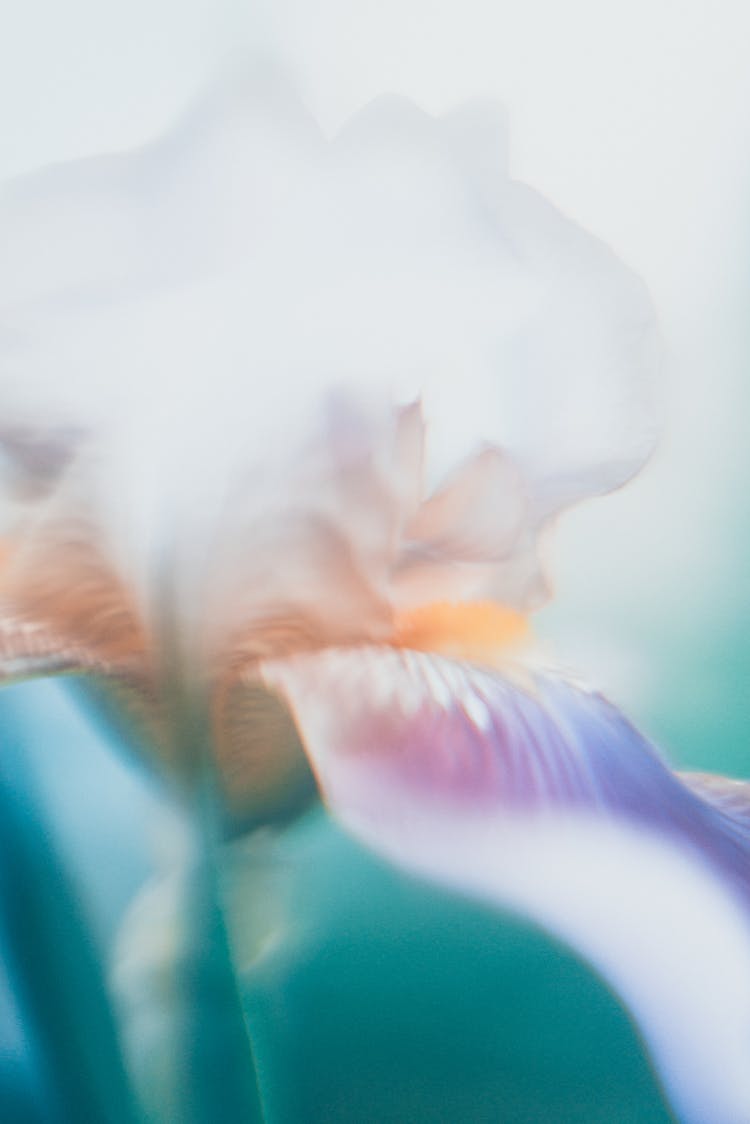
x: 190, y: 306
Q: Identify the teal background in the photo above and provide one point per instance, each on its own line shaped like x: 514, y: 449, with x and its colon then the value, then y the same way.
x: 370, y: 998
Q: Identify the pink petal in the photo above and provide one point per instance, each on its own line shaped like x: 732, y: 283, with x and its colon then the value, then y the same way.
x: 451, y: 734
x: 456, y: 538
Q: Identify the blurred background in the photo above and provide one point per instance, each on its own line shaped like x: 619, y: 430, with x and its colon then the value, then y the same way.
x: 633, y: 120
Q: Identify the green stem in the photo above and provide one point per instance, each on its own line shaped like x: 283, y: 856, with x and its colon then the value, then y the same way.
x: 218, y: 1082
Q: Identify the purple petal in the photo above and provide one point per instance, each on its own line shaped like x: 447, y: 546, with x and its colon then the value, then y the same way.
x: 449, y: 732
x: 539, y: 795
x: 730, y: 797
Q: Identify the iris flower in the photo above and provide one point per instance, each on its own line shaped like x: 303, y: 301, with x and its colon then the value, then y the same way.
x: 286, y: 422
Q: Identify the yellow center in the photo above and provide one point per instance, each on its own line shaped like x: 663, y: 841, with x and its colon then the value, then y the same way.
x: 479, y: 631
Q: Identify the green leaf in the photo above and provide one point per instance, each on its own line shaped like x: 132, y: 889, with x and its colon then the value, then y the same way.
x: 54, y: 964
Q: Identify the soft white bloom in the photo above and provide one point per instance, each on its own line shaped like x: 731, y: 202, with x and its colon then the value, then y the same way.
x: 285, y: 420
x: 184, y: 316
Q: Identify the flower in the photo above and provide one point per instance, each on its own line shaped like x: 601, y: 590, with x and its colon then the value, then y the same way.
x: 286, y: 421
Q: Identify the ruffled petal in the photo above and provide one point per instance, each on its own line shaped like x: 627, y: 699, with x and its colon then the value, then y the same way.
x: 309, y: 547
x: 532, y: 792
x: 461, y: 532
x: 184, y: 310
